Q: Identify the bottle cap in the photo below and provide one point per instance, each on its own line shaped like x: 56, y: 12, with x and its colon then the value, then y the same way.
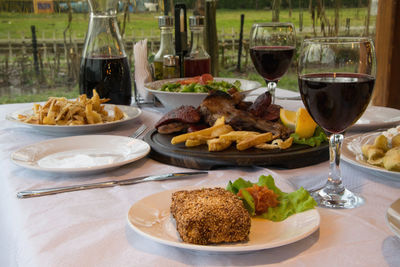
x: 170, y: 60
x: 196, y: 21
x: 165, y: 21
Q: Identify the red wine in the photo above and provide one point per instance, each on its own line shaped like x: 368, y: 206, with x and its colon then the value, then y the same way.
x: 197, y: 67
x: 272, y: 62
x: 109, y: 76
x: 336, y: 101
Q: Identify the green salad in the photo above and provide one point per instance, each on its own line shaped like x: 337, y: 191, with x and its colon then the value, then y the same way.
x: 199, y: 88
x: 289, y: 203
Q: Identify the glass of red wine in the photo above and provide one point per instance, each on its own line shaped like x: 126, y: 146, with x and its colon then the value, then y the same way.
x: 336, y: 79
x: 272, y: 46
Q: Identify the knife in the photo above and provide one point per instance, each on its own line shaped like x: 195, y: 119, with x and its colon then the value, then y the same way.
x: 63, y: 189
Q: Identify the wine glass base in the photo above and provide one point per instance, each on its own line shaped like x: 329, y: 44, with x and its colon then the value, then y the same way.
x: 345, y: 200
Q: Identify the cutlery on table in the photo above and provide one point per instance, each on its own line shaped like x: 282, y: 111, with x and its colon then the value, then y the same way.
x: 139, y: 131
x: 63, y: 189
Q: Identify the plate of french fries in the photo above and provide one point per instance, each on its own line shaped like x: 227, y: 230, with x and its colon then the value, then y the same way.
x: 220, y: 145
x: 83, y: 115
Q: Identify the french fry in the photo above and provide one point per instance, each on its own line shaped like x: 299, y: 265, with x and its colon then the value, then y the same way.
x: 204, y: 132
x: 277, y: 143
x: 238, y: 136
x: 219, y: 121
x: 61, y: 111
x: 195, y: 142
x: 218, y: 144
x: 254, y: 140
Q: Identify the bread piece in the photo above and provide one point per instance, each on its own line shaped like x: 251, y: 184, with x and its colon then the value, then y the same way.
x: 210, y: 216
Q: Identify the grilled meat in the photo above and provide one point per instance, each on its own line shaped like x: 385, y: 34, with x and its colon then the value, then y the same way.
x: 262, y: 108
x: 178, y: 120
x: 210, y: 216
x: 218, y: 104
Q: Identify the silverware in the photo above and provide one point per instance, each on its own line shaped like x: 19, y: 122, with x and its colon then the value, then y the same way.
x: 56, y: 190
x: 393, y: 217
x: 139, y: 131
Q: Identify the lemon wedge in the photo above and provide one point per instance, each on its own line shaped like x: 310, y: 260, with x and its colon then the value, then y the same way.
x: 300, y: 121
x: 288, y: 118
x: 305, y: 125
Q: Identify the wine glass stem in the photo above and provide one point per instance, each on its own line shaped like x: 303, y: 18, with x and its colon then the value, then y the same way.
x: 271, y: 89
x: 334, y: 184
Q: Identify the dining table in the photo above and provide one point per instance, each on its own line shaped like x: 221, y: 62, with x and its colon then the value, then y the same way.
x: 91, y: 227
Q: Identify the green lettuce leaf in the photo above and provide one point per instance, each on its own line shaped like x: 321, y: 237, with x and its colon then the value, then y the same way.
x: 289, y: 203
x: 316, y: 140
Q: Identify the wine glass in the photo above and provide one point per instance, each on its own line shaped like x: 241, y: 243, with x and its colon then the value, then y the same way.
x: 336, y: 79
x: 272, y: 46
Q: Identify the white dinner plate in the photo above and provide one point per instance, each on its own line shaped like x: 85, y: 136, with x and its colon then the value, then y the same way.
x: 150, y: 217
x: 376, y: 117
x: 351, y: 153
x: 81, y: 154
x: 130, y: 113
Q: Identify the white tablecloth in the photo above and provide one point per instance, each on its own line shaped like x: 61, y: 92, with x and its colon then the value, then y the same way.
x: 89, y: 228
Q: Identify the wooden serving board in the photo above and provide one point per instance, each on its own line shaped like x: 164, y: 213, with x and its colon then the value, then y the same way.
x: 199, y: 158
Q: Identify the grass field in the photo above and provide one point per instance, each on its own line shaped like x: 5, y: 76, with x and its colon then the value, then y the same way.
x: 15, y: 26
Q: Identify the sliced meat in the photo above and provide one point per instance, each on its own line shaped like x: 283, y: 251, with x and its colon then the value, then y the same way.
x: 218, y: 104
x: 178, y: 119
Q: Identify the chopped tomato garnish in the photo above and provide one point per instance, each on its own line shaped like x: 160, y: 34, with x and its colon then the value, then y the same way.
x: 205, y: 78
x: 263, y: 198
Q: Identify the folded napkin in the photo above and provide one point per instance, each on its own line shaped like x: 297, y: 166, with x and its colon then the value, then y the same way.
x: 142, y: 71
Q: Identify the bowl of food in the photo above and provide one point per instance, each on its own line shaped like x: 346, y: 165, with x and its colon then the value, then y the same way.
x: 174, y: 93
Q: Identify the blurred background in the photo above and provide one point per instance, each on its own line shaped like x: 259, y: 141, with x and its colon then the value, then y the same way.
x: 41, y: 40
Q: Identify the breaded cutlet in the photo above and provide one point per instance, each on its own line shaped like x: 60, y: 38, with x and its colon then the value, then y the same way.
x: 210, y: 216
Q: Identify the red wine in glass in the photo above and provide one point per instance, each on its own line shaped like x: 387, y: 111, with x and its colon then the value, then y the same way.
x: 272, y: 62
x: 336, y: 100
x: 110, y: 76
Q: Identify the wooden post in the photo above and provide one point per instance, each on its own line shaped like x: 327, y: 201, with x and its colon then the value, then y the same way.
x: 211, y: 33
x: 10, y: 53
x: 387, y: 85
x: 240, y: 42
x: 337, y: 8
x: 348, y: 26
x: 34, y: 50
x: 367, y: 18
x: 300, y: 16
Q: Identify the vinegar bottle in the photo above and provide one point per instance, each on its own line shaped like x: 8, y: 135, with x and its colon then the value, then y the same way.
x: 166, y: 24
x: 104, y: 64
x: 197, y: 61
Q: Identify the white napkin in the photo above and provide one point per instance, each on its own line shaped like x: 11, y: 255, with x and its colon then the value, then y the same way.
x: 142, y: 70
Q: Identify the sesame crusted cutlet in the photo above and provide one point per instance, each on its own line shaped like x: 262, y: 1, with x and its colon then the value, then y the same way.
x: 210, y: 216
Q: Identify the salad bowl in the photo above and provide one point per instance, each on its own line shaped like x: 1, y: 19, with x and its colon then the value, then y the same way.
x: 171, y: 100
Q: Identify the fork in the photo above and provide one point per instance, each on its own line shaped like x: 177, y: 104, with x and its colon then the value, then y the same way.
x: 139, y: 131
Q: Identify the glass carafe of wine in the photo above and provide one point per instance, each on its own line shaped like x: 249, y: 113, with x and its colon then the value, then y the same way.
x: 104, y: 64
